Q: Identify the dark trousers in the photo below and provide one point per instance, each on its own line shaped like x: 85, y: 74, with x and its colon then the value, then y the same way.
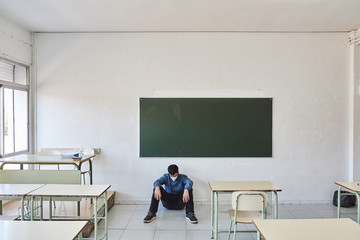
x: 172, y: 201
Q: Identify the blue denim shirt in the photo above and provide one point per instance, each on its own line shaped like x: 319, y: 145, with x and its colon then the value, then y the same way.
x: 182, y: 182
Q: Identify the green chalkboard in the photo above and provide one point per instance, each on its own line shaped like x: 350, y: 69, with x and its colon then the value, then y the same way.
x: 205, y: 127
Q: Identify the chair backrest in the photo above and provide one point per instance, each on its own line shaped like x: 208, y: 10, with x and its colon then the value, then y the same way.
x: 249, y: 201
x: 49, y: 152
x: 40, y: 177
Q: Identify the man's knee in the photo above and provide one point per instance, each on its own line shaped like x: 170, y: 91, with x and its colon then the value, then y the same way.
x: 177, y: 205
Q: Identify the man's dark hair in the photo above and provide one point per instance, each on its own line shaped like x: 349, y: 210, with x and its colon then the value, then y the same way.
x: 172, y: 169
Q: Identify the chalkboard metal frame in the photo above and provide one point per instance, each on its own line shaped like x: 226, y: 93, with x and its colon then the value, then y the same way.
x: 205, y: 127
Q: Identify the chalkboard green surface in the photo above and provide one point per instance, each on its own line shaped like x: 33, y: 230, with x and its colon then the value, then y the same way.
x: 205, y: 127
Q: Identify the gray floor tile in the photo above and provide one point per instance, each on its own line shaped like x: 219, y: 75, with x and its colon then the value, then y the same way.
x: 239, y: 236
x: 327, y: 213
x: 166, y: 223
x: 138, y: 234
x: 118, y: 218
x: 285, y: 214
x: 113, y: 234
x: 296, y: 206
x: 203, y: 215
x: 142, y: 207
x: 348, y: 210
x: 170, y: 234
x: 198, y: 235
x: 305, y: 213
x: 323, y: 206
x: 126, y: 221
x: 126, y: 207
x: 137, y: 221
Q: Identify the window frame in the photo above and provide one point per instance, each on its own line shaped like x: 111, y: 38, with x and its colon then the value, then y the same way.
x: 20, y: 87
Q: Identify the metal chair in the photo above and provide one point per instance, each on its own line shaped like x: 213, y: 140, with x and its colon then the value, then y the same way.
x: 247, y: 206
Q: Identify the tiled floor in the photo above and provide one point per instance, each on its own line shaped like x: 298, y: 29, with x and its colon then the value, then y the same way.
x: 126, y: 222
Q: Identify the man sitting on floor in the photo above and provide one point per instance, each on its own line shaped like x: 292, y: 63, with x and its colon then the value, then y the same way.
x: 177, y: 194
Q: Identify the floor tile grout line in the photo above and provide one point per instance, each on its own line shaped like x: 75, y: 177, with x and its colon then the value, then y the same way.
x: 294, y: 211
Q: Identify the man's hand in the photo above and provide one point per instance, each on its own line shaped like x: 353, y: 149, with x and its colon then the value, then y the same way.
x: 186, y: 196
x: 157, y: 193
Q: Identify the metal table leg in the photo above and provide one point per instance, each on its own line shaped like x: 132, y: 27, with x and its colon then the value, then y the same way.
x: 90, y: 172
x: 106, y: 212
x: 95, y: 219
x: 50, y: 209
x: 22, y: 208
x: 358, y: 210
x: 212, y: 214
x: 339, y: 203
x: 41, y: 209
x: 32, y: 209
x: 216, y: 216
x: 276, y: 205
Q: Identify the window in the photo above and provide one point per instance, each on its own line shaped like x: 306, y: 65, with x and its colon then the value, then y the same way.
x: 14, y: 108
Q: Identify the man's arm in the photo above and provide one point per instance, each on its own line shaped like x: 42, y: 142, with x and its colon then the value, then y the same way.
x: 157, y: 193
x: 160, y: 181
x: 157, y: 184
x: 187, y: 186
x: 186, y: 196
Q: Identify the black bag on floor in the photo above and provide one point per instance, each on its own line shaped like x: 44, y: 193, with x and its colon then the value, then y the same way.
x: 345, y: 200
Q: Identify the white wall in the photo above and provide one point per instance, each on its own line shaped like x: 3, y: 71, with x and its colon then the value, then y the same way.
x: 89, y: 87
x: 356, y: 96
x: 15, y: 42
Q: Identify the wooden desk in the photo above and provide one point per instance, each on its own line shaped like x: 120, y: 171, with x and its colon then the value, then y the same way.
x: 355, y: 189
x: 59, y: 230
x: 219, y: 187
x: 17, y: 191
x: 77, y: 191
x: 47, y: 160
x: 307, y: 229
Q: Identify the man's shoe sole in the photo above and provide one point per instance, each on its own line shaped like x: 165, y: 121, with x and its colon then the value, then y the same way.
x: 191, y: 221
x: 149, y: 221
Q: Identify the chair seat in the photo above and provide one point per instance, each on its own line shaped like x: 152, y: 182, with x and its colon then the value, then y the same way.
x: 246, y: 217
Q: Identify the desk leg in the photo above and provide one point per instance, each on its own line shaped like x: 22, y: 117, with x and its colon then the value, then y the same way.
x: 95, y: 219
x: 358, y: 211
x: 90, y: 172
x: 339, y: 202
x: 258, y: 235
x: 78, y: 208
x: 216, y: 216
x: 212, y: 214
x: 22, y: 208
x: 50, y: 209
x: 32, y: 208
x: 106, y: 212
x: 41, y: 209
x: 276, y: 205
x: 91, y: 175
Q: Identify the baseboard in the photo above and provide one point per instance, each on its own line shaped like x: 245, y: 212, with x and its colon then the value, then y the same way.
x: 207, y: 202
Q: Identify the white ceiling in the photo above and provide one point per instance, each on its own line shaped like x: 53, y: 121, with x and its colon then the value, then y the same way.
x: 183, y: 15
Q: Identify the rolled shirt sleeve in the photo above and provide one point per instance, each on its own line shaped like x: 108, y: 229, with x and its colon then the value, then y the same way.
x: 160, y: 181
x: 187, y: 182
